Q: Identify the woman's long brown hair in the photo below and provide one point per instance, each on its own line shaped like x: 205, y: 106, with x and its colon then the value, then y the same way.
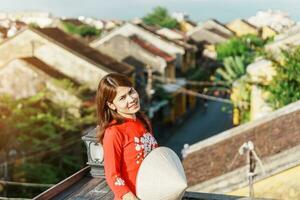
x: 106, y: 92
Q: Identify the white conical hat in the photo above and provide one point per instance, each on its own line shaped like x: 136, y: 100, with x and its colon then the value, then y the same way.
x: 161, y: 176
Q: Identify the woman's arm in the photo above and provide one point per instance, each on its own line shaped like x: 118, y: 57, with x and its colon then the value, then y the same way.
x: 112, y: 146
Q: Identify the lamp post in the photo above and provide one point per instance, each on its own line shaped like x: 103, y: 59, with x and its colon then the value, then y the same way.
x: 94, y: 153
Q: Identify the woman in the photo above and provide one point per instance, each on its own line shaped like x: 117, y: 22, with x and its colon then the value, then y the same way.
x: 124, y: 132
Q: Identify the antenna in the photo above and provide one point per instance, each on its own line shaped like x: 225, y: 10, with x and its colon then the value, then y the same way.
x: 248, y: 149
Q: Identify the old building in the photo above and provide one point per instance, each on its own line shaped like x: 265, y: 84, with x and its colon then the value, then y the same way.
x: 242, y: 27
x: 171, y: 34
x: 64, y: 53
x: 25, y: 77
x: 207, y: 35
x: 267, y: 32
x: 189, y: 56
x: 284, y: 41
x: 213, y: 24
x: 121, y: 47
x: 172, y: 48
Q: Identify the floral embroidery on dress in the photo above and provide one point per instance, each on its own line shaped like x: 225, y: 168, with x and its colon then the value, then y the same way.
x: 146, y: 143
x: 119, y: 181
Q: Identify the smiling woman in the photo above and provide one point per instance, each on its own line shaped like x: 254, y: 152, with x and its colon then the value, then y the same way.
x: 126, y: 102
x: 125, y: 133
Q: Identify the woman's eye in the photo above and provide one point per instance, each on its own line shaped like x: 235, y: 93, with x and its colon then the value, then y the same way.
x: 122, y: 98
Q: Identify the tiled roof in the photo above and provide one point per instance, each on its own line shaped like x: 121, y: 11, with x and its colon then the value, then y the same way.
x: 131, y: 60
x: 151, y: 48
x: 218, y: 32
x: 176, y: 42
x: 271, y: 136
x: 47, y: 69
x: 3, y: 30
x: 222, y: 25
x: 204, y: 35
x: 246, y: 22
x: 191, y: 22
x: 83, y: 50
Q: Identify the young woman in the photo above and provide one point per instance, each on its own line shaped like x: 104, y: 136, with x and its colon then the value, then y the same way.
x: 124, y: 132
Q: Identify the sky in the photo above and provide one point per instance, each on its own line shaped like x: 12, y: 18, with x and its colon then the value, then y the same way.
x: 198, y: 10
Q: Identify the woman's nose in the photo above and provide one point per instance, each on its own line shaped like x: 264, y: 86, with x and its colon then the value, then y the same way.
x: 130, y: 98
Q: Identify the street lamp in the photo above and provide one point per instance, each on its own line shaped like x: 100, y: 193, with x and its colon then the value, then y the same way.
x: 94, y: 153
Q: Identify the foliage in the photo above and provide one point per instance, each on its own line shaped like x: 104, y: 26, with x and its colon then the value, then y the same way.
x: 234, y: 68
x: 160, y: 16
x: 285, y: 86
x: 233, y: 47
x: 43, y: 138
x: 240, y: 97
x: 82, y: 30
x: 247, y: 46
x: 236, y: 54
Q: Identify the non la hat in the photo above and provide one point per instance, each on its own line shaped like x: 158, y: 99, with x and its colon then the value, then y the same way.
x: 161, y: 176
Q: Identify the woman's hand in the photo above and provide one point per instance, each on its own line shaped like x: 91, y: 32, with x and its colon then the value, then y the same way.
x: 129, y: 196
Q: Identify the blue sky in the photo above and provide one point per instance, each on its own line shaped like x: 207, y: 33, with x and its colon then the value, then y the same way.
x: 199, y: 10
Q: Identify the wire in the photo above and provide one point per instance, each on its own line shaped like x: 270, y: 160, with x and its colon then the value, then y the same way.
x: 8, y: 198
x: 201, y: 83
x: 43, y: 153
x: 25, y: 184
x: 204, y: 96
x: 193, y: 93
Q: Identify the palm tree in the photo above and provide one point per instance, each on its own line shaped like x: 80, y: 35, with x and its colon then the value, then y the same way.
x: 233, y: 69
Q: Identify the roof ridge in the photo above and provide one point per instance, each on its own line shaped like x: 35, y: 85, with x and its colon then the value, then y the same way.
x: 97, y: 62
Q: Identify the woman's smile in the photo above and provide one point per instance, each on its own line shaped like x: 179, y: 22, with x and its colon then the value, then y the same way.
x: 134, y: 105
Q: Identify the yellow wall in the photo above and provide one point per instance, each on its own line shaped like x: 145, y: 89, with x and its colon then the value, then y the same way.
x: 185, y: 26
x: 241, y: 28
x: 267, y: 32
x: 284, y: 185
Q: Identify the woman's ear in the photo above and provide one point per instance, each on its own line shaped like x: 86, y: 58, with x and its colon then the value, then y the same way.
x: 111, y: 106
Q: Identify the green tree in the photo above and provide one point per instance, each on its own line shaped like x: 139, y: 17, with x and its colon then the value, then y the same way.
x: 248, y: 46
x: 234, y: 68
x: 285, y: 86
x: 160, y: 16
x: 83, y: 30
x: 43, y: 139
x: 235, y: 55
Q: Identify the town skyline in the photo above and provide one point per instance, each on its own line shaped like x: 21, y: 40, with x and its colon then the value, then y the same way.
x: 198, y: 10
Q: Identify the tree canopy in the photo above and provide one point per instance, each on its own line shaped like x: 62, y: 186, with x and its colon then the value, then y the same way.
x: 82, y: 30
x: 160, y: 16
x: 247, y: 46
x: 43, y: 135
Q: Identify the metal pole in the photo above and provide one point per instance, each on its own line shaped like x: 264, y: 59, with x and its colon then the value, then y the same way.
x: 149, y: 83
x: 5, y: 166
x: 251, y: 173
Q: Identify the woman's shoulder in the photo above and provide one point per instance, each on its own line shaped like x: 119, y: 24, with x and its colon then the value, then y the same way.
x: 113, y: 130
x: 111, y: 134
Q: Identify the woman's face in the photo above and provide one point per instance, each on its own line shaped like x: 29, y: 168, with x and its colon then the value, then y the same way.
x: 126, y: 101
